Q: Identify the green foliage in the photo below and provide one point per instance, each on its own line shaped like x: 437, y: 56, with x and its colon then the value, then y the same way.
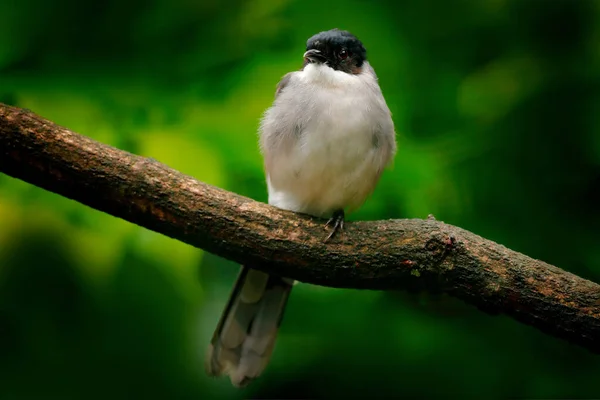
x: 496, y: 105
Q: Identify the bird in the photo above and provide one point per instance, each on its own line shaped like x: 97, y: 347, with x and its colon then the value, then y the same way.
x: 325, y: 140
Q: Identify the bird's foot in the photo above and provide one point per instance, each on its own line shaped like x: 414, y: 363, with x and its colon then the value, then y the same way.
x: 337, y: 224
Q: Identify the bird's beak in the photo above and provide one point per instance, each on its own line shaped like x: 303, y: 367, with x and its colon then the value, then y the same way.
x: 314, y: 56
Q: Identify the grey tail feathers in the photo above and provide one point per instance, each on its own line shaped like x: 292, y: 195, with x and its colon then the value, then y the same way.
x: 245, y: 336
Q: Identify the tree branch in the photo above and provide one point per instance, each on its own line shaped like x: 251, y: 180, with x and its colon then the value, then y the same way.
x: 389, y: 255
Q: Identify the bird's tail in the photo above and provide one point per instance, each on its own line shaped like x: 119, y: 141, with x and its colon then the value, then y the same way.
x: 245, y: 336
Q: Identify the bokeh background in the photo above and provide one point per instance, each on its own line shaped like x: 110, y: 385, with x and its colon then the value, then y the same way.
x: 497, y: 109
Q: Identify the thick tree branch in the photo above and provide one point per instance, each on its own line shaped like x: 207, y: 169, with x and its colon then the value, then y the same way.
x: 394, y: 254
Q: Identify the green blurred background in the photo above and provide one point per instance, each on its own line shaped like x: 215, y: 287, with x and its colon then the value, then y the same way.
x: 497, y: 109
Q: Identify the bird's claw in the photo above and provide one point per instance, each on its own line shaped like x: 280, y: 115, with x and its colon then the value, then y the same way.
x: 337, y: 224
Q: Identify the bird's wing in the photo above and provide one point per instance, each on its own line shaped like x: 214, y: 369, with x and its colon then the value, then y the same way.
x: 283, y: 83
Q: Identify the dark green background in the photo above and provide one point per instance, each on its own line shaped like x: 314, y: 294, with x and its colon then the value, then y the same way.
x: 497, y: 110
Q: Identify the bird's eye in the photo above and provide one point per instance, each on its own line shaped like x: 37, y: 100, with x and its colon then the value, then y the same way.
x: 344, y: 54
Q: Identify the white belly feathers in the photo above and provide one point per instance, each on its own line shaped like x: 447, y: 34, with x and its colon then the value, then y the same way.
x: 333, y: 159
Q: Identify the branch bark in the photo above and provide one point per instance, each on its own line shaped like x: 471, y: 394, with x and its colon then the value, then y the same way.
x: 387, y: 255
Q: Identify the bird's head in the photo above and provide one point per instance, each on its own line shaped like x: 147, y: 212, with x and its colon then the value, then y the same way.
x: 337, y: 49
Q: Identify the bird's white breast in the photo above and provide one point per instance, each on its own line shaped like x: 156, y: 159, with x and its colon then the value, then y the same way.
x: 333, y: 162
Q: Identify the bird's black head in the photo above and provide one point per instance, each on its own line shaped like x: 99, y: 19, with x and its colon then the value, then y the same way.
x: 340, y: 50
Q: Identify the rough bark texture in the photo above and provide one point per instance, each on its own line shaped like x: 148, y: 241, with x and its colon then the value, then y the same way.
x: 387, y: 255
